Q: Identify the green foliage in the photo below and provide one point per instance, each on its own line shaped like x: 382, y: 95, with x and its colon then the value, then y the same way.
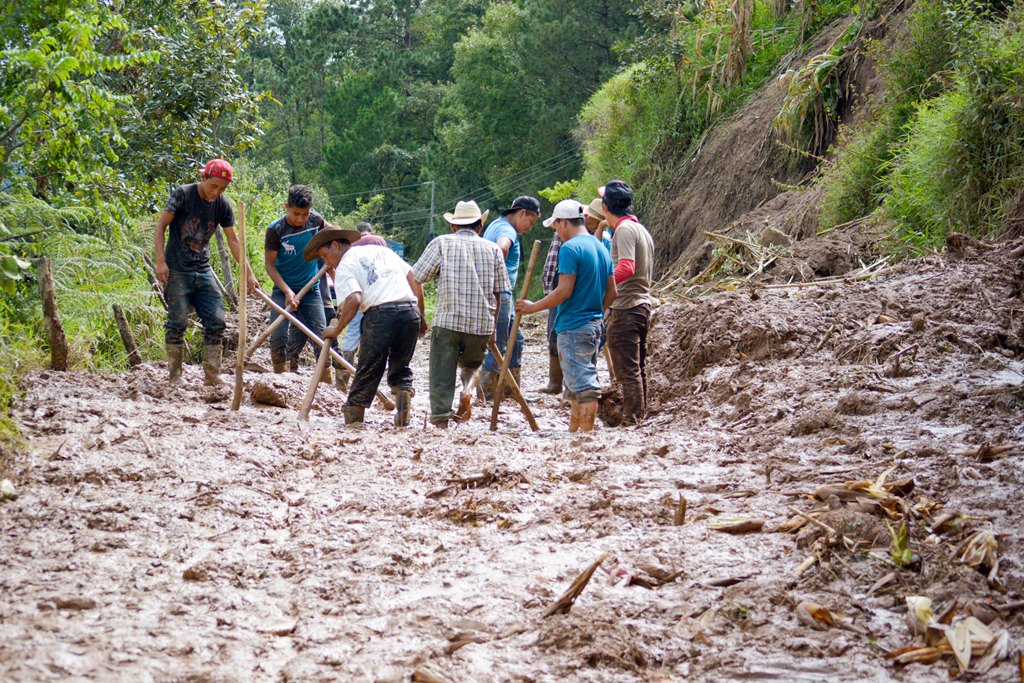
x: 561, y: 190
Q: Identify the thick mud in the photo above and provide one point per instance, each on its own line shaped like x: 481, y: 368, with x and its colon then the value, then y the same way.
x: 160, y: 536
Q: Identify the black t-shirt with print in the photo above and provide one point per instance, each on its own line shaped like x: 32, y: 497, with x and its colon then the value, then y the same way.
x: 195, y: 221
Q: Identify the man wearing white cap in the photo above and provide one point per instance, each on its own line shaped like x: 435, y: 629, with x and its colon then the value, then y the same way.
x: 586, y: 286
x: 471, y: 276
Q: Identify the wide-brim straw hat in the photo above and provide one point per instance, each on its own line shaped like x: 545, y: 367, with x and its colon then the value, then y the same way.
x: 466, y: 213
x: 596, y: 209
x: 328, y: 235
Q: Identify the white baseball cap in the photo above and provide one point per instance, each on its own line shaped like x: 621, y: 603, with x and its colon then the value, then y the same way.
x: 567, y: 208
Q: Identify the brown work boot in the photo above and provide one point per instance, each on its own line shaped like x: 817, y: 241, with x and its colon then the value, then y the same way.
x: 353, y: 415
x: 212, y: 357
x: 325, y: 376
x: 279, y: 362
x: 554, y: 376
x: 175, y: 354
x: 588, y: 411
x: 403, y: 404
x: 574, y: 417
x: 465, y: 410
x: 485, y: 384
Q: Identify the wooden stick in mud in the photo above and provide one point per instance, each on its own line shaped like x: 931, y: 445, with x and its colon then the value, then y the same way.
x: 314, y: 381
x: 279, y: 320
x: 564, y: 603
x: 54, y: 328
x: 385, y: 401
x: 243, y: 284
x: 504, y: 376
x: 513, y: 386
x: 134, y: 357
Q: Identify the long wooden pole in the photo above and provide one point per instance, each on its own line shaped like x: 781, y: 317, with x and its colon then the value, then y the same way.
x: 385, y: 401
x: 279, y: 320
x: 314, y: 381
x: 513, y: 388
x: 243, y: 285
x: 504, y: 376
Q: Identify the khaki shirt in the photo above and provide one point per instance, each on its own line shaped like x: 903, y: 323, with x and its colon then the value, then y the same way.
x: 632, y: 241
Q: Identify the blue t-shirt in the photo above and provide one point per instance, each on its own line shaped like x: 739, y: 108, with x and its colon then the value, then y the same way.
x: 289, y: 242
x: 502, y: 228
x: 586, y: 258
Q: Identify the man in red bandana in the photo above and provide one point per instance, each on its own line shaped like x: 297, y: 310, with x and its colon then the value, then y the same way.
x: 193, y: 214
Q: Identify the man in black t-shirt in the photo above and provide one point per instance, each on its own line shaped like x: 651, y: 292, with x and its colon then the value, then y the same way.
x: 193, y: 214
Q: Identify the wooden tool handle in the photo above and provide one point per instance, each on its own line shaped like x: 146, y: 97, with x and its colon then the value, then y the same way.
x: 243, y: 286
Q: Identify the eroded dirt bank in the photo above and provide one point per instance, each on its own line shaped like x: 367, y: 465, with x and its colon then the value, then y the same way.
x: 159, y: 536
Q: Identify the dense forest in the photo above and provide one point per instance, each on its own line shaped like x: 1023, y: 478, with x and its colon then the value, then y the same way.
x: 394, y: 110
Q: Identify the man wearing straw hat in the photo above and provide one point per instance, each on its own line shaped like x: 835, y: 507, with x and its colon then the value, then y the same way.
x: 471, y: 276
x: 376, y: 281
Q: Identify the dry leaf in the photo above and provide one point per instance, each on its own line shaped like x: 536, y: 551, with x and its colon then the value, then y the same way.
x: 735, y: 524
x: 814, y: 615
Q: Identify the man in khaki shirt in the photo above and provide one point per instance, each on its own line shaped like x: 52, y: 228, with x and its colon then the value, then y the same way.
x: 633, y: 259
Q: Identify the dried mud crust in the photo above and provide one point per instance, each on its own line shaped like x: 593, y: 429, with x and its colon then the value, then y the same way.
x: 161, y: 536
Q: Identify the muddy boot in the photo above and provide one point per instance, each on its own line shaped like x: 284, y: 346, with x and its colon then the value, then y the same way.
x: 403, y: 404
x: 574, y: 417
x: 516, y: 375
x: 554, y: 376
x: 325, y: 376
x: 588, y: 411
x: 279, y: 362
x: 293, y: 365
x: 212, y: 357
x: 485, y: 384
x: 353, y: 415
x: 175, y: 353
x: 342, y: 377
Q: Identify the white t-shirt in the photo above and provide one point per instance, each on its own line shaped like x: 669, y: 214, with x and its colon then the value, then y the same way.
x: 375, y: 271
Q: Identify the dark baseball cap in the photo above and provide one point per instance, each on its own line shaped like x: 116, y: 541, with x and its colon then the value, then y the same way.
x: 527, y: 202
x: 616, y: 192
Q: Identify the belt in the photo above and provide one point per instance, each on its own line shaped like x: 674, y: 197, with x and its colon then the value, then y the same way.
x: 391, y: 305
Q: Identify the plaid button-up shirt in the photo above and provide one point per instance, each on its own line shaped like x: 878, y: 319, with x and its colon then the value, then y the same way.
x: 470, y: 271
x: 550, y: 278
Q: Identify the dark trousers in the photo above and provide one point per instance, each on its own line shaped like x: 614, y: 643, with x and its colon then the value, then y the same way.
x: 449, y: 351
x: 389, y: 334
x: 627, y: 342
x: 200, y: 291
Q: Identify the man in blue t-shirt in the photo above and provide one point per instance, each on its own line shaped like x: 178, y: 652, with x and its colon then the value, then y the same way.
x: 282, y: 255
x: 586, y: 287
x: 505, y: 232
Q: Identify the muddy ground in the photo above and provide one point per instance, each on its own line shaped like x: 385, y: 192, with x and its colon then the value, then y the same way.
x: 160, y: 536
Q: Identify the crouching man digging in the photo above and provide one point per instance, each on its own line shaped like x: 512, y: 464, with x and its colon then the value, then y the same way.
x: 375, y: 280
x: 586, y: 286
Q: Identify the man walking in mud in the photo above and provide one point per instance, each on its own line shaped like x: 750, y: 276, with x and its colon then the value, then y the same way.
x: 374, y: 280
x: 283, y: 246
x: 471, y: 276
x: 505, y: 231
x: 192, y: 214
x: 633, y: 256
x: 586, y: 287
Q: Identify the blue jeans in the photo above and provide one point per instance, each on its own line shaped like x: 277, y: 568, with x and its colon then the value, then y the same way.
x: 577, y: 353
x: 352, y: 333
x: 287, y: 341
x: 506, y: 316
x: 200, y: 291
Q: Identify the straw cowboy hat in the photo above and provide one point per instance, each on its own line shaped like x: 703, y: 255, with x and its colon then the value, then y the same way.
x: 466, y: 213
x: 328, y: 235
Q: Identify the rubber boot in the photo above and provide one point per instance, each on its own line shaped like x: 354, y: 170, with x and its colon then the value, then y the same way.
x: 485, y: 384
x: 554, y: 376
x: 175, y: 354
x: 574, y: 417
x: 516, y: 375
x: 342, y: 377
x: 325, y: 376
x: 279, y: 361
x: 212, y: 357
x: 403, y: 404
x: 588, y: 411
x: 353, y: 414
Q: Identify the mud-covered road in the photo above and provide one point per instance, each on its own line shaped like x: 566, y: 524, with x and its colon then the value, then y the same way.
x: 160, y: 536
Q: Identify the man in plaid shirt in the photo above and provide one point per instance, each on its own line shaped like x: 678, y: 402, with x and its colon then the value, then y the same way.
x: 550, y: 281
x: 471, y: 275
